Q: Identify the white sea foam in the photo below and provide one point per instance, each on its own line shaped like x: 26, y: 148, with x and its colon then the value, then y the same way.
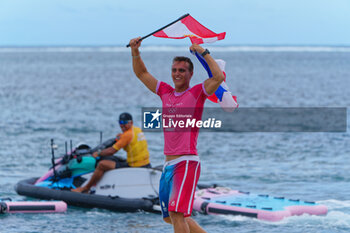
x: 335, y: 204
x: 236, y: 218
x: 111, y: 49
x: 332, y: 219
x: 71, y: 49
x: 281, y: 49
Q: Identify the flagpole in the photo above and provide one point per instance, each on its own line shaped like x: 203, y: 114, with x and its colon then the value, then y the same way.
x: 162, y: 28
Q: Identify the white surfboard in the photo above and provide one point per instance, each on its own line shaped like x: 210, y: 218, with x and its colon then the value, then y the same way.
x: 130, y: 183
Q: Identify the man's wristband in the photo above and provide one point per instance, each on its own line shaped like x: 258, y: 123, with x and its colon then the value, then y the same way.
x: 206, y: 51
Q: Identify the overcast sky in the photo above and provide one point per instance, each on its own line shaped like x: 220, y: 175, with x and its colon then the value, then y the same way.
x: 114, y: 22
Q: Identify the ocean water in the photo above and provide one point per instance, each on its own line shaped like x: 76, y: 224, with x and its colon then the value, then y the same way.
x: 74, y: 93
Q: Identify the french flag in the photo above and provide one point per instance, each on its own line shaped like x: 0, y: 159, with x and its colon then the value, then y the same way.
x: 222, y: 95
x: 189, y: 27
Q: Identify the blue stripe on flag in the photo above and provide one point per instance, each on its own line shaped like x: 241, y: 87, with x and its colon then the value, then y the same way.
x: 204, y: 63
x: 220, y: 91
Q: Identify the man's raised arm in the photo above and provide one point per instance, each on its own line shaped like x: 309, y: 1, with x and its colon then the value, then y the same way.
x: 211, y: 84
x: 139, y: 67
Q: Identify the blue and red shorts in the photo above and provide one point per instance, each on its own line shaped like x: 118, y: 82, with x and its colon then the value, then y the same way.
x: 178, y: 185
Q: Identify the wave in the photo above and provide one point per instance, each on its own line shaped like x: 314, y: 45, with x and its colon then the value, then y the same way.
x: 333, y: 204
x: 333, y: 220
x: 111, y: 49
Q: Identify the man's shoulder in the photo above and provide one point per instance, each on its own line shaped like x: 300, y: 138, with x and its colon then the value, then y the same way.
x: 199, y: 90
x: 165, y: 85
x: 199, y: 85
x: 136, y: 129
x: 128, y: 132
x: 163, y: 88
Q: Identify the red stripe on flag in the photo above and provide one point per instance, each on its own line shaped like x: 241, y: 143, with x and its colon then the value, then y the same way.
x: 160, y: 34
x: 221, y: 35
x: 196, y: 40
x: 197, y: 28
x: 213, y: 98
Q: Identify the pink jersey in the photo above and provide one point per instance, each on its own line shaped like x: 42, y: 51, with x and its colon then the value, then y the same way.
x: 189, y: 102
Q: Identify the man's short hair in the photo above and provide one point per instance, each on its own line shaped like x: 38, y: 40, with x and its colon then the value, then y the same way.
x: 185, y: 59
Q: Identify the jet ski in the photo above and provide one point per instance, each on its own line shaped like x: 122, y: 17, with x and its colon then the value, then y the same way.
x: 122, y: 189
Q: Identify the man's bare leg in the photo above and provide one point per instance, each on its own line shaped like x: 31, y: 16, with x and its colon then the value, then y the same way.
x: 179, y: 223
x: 102, y: 167
x: 192, y: 224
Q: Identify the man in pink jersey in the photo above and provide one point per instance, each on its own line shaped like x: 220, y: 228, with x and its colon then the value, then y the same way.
x: 182, y: 166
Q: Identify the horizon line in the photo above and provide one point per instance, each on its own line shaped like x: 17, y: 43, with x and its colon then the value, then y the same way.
x: 172, y: 48
x: 172, y: 45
